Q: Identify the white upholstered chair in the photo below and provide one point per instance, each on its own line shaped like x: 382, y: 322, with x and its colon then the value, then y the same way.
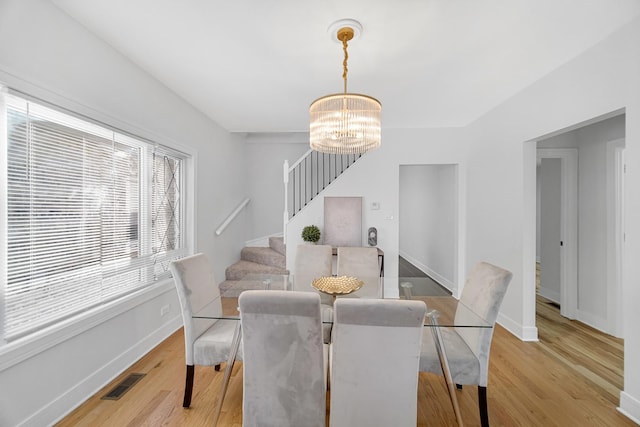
x: 312, y: 262
x: 362, y: 263
x: 207, y: 342
x: 467, y: 349
x: 374, y: 357
x: 284, y: 378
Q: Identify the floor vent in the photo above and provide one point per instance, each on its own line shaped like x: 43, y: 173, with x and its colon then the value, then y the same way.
x: 119, y: 390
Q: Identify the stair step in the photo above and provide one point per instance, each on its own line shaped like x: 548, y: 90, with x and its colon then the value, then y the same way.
x: 238, y: 270
x: 277, y: 244
x: 262, y: 255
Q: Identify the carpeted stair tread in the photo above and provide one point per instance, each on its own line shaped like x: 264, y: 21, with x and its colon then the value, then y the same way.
x: 263, y: 255
x: 238, y: 270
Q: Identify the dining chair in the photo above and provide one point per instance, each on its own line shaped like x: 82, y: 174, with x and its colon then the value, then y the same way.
x: 373, y: 362
x: 312, y: 262
x: 207, y: 342
x: 467, y: 349
x: 361, y: 263
x: 284, y: 378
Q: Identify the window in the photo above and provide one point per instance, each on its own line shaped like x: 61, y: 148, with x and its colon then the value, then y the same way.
x: 90, y: 215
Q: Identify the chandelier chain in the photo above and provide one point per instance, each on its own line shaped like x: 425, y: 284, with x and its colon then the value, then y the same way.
x: 344, y: 63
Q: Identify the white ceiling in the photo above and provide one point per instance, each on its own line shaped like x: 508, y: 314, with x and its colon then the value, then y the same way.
x: 256, y: 65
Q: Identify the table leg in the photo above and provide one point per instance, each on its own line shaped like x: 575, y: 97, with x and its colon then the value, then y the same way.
x: 442, y: 355
x: 233, y: 351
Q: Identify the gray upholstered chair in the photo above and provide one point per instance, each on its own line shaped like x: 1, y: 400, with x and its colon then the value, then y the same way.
x: 313, y: 261
x: 207, y: 342
x: 467, y: 349
x: 374, y: 357
x: 362, y: 263
x: 284, y: 378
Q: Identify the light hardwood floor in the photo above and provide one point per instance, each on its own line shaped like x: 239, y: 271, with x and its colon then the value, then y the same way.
x: 571, y: 377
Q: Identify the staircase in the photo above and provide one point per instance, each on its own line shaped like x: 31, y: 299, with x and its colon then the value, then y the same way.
x: 306, y: 179
x: 254, y: 260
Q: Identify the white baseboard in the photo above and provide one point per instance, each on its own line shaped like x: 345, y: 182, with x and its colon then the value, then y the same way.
x: 443, y: 281
x: 549, y: 294
x: 74, y: 397
x: 523, y: 333
x: 629, y: 407
x: 600, y: 323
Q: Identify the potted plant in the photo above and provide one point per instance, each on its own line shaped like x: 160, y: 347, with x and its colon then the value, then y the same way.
x: 311, y: 233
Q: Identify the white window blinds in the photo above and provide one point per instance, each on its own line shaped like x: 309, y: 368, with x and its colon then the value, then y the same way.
x: 91, y: 215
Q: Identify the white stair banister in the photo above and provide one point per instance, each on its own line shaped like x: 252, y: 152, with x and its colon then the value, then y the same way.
x: 285, y: 218
x: 231, y: 216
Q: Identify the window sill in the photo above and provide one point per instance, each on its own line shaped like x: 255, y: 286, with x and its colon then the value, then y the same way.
x: 29, y: 346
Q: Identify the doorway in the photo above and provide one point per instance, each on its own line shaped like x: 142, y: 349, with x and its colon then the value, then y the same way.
x: 429, y: 221
x: 585, y: 166
x: 557, y: 231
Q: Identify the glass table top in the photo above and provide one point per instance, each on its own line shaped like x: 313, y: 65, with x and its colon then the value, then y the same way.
x: 450, y: 312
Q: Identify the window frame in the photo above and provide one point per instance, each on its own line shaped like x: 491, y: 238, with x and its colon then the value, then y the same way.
x: 18, y: 350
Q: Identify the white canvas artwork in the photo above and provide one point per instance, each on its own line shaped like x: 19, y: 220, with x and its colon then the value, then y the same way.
x: 343, y: 221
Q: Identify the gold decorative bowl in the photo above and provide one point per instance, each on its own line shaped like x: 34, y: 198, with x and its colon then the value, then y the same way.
x: 341, y: 285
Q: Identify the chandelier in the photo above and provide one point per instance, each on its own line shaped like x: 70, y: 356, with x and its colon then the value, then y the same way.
x: 345, y: 123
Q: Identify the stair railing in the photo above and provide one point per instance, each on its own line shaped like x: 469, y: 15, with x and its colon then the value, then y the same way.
x: 231, y: 216
x: 308, y: 176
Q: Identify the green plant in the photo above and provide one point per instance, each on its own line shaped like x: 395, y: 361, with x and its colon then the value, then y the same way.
x: 311, y: 233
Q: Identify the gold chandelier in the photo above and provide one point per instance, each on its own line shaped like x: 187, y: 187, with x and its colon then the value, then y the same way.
x: 345, y: 123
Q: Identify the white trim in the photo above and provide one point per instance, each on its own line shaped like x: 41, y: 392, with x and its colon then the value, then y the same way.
x: 550, y: 294
x: 529, y: 236
x: 440, y: 279
x: 592, y: 320
x: 568, y: 227
x: 524, y: 333
x: 461, y: 229
x: 629, y: 407
x: 615, y: 235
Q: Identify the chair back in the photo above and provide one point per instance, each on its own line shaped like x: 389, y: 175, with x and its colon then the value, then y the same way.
x: 362, y: 263
x: 283, y: 378
x: 375, y: 352
x: 483, y: 292
x: 312, y: 261
x: 197, y: 290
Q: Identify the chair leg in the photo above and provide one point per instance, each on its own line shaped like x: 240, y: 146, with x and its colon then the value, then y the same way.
x: 217, y: 367
x: 188, y: 387
x: 482, y: 406
x: 459, y: 386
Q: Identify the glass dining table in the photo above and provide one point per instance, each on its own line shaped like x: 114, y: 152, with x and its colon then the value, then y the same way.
x: 442, y: 312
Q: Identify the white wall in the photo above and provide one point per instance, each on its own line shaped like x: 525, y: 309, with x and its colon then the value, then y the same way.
x: 57, y: 59
x: 45, y: 53
x: 428, y: 219
x: 501, y: 186
x: 265, y: 155
x: 498, y: 180
x: 376, y: 177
